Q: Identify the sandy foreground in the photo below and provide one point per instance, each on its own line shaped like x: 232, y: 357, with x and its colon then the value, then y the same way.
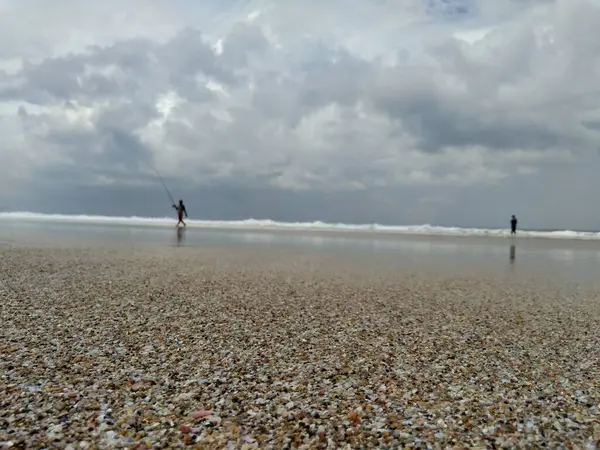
x: 223, y: 348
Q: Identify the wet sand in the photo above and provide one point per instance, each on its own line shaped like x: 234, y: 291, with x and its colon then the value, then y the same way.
x: 217, y: 347
x: 563, y: 259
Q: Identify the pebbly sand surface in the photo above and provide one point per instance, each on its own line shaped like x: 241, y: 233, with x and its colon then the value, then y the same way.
x: 223, y: 348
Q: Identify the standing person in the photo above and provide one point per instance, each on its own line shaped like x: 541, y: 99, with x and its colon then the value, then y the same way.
x: 513, y: 225
x: 180, y: 212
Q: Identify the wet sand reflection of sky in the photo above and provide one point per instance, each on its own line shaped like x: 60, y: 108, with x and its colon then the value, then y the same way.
x: 570, y: 259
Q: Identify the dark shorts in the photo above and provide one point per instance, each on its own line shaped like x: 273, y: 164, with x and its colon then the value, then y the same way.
x: 180, y: 215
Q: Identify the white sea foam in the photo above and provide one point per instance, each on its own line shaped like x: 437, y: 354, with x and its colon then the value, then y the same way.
x: 254, y: 224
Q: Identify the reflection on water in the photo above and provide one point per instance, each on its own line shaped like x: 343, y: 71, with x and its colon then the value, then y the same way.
x: 573, y: 258
x: 339, y: 241
x: 180, y: 236
x: 563, y: 255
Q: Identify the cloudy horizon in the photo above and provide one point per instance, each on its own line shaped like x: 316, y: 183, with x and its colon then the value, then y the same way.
x: 448, y: 112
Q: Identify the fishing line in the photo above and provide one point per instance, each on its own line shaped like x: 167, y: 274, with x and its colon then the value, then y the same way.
x: 165, y: 186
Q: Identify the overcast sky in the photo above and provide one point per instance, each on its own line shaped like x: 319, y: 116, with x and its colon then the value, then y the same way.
x: 450, y: 112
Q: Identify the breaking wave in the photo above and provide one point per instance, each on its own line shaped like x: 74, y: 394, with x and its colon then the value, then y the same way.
x: 254, y: 224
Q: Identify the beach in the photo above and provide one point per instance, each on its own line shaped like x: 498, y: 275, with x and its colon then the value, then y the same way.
x: 216, y: 346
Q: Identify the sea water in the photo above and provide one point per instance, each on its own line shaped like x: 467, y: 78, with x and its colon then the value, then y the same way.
x: 571, y: 255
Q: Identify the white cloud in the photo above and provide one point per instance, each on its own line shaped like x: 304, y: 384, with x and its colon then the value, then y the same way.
x: 299, y: 95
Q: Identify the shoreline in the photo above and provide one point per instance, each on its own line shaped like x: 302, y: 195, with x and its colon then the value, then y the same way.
x: 328, y: 230
x: 533, y: 242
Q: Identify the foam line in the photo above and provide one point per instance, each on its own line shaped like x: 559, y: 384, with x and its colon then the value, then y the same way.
x: 253, y: 224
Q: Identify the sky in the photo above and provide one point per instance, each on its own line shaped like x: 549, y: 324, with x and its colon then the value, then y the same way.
x: 447, y: 112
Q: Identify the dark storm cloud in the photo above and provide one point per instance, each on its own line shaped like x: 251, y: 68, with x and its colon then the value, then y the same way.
x: 107, y: 152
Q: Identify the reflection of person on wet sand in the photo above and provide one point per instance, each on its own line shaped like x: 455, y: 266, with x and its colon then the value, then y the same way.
x: 179, y: 235
x: 512, y: 254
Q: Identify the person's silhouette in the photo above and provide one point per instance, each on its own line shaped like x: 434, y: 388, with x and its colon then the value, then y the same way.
x: 180, y: 212
x: 513, y: 225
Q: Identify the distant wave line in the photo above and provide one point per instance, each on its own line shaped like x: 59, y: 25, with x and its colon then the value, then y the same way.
x: 266, y: 224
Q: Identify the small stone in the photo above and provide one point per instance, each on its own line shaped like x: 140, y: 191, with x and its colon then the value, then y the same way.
x: 185, y: 429
x: 215, y: 420
x: 353, y: 417
x: 321, y: 433
x: 200, y: 414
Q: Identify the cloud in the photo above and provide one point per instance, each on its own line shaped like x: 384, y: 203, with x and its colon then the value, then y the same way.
x: 348, y: 97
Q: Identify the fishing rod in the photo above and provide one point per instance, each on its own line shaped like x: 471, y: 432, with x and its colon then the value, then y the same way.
x: 165, y: 186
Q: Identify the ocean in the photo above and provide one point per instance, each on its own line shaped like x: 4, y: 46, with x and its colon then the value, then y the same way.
x: 262, y: 225
x: 570, y: 255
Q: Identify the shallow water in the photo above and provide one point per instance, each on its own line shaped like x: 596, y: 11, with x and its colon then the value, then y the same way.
x: 577, y: 261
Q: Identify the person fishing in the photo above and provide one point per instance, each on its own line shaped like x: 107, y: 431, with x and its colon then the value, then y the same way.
x: 180, y: 212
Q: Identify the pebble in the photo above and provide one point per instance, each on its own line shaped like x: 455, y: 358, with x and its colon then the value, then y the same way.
x: 107, y: 347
